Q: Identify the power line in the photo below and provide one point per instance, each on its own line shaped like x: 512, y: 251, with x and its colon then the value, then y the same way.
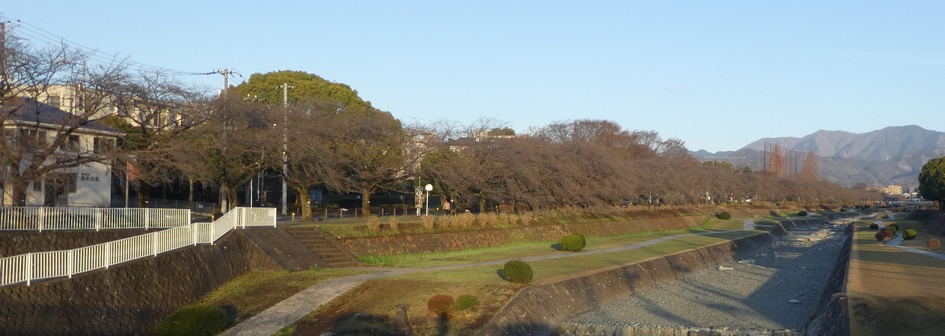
x: 46, y: 37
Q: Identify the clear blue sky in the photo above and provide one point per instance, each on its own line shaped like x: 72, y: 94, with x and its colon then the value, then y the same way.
x: 715, y: 74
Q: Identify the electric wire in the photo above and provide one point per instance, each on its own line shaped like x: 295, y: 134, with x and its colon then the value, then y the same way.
x: 38, y: 34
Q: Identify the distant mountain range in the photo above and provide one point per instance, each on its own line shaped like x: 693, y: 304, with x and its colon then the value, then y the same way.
x: 892, y: 155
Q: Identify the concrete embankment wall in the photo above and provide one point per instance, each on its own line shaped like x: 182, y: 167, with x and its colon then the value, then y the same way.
x: 539, y: 310
x: 15, y: 243
x: 127, y: 299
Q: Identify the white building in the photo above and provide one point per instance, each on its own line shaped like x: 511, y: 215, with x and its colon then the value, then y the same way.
x: 31, y: 127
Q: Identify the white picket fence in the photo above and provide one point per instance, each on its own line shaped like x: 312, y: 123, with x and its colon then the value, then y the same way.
x: 26, y: 268
x: 42, y: 219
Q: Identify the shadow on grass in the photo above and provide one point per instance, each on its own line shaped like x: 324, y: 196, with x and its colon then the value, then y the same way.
x: 556, y: 247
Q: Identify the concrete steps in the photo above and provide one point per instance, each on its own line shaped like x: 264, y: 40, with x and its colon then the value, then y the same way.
x: 327, y: 249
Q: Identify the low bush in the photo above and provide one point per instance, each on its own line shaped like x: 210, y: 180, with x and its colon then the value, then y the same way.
x: 392, y: 222
x: 724, y: 215
x: 373, y: 223
x: 880, y: 236
x: 909, y: 234
x: 890, y: 232
x: 440, y: 304
x: 527, y: 218
x: 802, y: 213
x: 884, y: 216
x: 894, y: 226
x: 583, y: 240
x: 874, y: 226
x: 465, y: 220
x: 518, y: 271
x: 487, y: 219
x: 572, y: 242
x: 194, y: 320
x: 427, y: 222
x: 933, y: 244
x: 466, y: 302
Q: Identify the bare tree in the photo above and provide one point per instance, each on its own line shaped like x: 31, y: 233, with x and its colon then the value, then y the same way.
x: 41, y: 139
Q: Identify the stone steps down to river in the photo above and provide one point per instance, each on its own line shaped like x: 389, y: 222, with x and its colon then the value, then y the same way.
x: 330, y: 251
x: 287, y: 251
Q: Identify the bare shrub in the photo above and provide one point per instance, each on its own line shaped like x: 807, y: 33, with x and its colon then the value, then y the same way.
x: 373, y: 223
x: 394, y: 225
x: 466, y: 220
x: 527, y: 218
x: 505, y: 209
x: 427, y: 221
x: 445, y: 221
x: 487, y: 219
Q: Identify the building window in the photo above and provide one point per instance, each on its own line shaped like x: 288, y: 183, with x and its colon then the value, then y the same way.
x: 102, y: 145
x: 54, y: 101
x: 37, y: 185
x: 71, y: 144
x: 32, y: 138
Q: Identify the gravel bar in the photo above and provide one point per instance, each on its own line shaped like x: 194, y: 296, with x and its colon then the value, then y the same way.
x: 776, y: 288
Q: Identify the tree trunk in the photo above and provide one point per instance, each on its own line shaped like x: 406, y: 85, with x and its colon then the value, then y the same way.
x: 366, y: 202
x: 231, y: 196
x: 143, y: 190
x: 482, y: 203
x: 305, y: 203
x: 18, y: 189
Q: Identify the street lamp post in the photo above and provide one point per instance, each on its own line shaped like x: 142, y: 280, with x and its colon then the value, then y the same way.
x: 428, y: 188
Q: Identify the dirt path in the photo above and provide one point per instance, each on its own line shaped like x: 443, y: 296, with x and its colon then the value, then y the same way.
x: 895, y: 290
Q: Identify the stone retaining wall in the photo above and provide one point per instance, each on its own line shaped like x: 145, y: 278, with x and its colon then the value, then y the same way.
x: 15, y: 243
x: 129, y: 298
x: 448, y: 241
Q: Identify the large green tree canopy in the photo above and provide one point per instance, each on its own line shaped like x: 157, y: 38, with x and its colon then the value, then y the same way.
x: 932, y: 180
x: 267, y: 87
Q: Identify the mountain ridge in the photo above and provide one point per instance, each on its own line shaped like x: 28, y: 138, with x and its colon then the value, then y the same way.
x: 891, y: 155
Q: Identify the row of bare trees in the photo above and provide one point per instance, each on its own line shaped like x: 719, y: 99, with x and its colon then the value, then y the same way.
x: 596, y: 162
x: 324, y: 135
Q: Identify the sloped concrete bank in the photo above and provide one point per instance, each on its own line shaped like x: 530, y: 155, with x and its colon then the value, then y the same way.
x: 540, y: 310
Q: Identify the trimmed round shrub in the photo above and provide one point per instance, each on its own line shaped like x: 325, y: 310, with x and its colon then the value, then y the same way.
x: 880, y: 236
x: 440, y: 304
x: 909, y: 234
x: 194, y: 320
x: 894, y: 226
x: 874, y: 226
x: 890, y: 232
x: 466, y: 302
x: 933, y: 244
x: 518, y: 271
x: 572, y: 242
x: 583, y: 240
x: 802, y: 213
x: 724, y: 215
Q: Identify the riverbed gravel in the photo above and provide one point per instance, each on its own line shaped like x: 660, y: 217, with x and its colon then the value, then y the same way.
x: 775, y: 288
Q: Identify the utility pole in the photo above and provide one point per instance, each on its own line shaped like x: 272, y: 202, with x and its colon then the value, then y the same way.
x: 5, y: 83
x: 285, y: 146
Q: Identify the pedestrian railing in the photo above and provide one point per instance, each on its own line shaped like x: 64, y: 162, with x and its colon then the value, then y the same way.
x: 42, y: 218
x: 26, y: 268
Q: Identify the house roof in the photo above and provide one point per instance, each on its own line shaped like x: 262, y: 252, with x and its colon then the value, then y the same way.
x: 29, y: 111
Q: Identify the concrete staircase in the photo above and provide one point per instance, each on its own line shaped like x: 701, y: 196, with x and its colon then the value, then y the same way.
x: 283, y: 248
x: 328, y: 250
